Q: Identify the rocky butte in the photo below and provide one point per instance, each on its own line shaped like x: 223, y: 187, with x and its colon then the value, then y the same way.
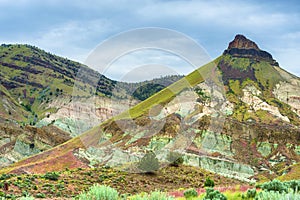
x: 245, y: 48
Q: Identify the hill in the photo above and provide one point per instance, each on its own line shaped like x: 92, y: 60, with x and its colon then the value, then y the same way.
x: 37, y: 89
x: 237, y: 116
x: 35, y: 79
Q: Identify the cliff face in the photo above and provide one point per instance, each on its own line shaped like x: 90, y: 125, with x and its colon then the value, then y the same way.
x: 241, y: 42
x: 255, y: 83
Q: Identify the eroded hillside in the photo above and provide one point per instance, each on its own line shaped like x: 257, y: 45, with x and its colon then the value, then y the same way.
x: 230, y: 117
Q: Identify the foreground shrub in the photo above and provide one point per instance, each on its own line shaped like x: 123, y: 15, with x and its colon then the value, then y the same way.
x: 209, y: 183
x: 275, y: 186
x: 5, y: 176
x: 293, y: 184
x: 26, y: 198
x: 9, y: 196
x: 251, y: 193
x: 149, y: 163
x: 276, y: 195
x: 212, y: 194
x: 40, y: 195
x: 190, y: 193
x: 138, y: 197
x: 99, y: 192
x: 159, y: 196
x: 152, y: 196
x: 175, y: 158
x: 52, y: 176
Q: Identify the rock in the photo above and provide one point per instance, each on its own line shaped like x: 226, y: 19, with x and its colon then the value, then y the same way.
x: 220, y: 166
x: 251, y: 98
x: 245, y: 48
x: 241, y: 42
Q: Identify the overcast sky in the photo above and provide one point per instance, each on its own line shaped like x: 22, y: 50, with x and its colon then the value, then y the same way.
x: 74, y: 28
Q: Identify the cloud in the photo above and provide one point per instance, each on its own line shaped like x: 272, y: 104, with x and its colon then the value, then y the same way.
x: 243, y: 15
x: 118, y: 54
x: 67, y: 39
x: 73, y: 28
x: 146, y: 64
x: 287, y: 58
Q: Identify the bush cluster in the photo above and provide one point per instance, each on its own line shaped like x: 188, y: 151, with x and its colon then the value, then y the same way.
x: 26, y: 198
x: 191, y: 193
x: 99, y: 192
x: 276, y: 195
x: 52, y: 176
x: 275, y: 185
x: 276, y: 189
x: 251, y: 193
x: 293, y: 185
x: 212, y: 194
x: 102, y: 192
x: 149, y: 163
x: 209, y: 183
x: 40, y: 195
x: 175, y: 158
x: 157, y: 195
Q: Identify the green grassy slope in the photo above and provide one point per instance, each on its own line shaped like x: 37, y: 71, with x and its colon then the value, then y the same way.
x: 62, y: 152
x: 34, y: 78
x: 167, y: 94
x: 162, y: 97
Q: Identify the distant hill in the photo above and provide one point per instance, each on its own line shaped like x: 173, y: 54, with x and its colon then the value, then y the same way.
x: 35, y: 78
x: 37, y: 89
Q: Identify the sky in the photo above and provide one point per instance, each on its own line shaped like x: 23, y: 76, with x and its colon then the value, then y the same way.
x: 74, y: 28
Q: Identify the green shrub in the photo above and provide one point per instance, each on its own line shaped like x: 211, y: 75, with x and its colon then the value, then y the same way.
x: 40, y: 195
x: 25, y: 193
x: 139, y: 197
x: 293, y: 184
x: 5, y: 176
x: 275, y: 185
x: 26, y: 198
x: 175, y: 158
x: 52, y: 176
x: 149, y: 163
x: 99, y: 192
x: 125, y: 196
x: 251, y: 193
x: 276, y: 195
x: 159, y: 196
x: 60, y: 186
x: 190, y: 193
x: 209, y: 183
x: 102, y: 177
x: 10, y: 196
x: 212, y: 194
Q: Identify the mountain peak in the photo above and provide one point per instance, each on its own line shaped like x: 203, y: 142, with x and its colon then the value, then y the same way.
x: 241, y: 42
x: 242, y: 47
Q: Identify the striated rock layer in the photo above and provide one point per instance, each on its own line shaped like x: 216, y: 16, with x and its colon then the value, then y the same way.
x: 243, y: 47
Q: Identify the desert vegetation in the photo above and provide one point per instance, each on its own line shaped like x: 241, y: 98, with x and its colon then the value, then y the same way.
x: 181, y: 182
